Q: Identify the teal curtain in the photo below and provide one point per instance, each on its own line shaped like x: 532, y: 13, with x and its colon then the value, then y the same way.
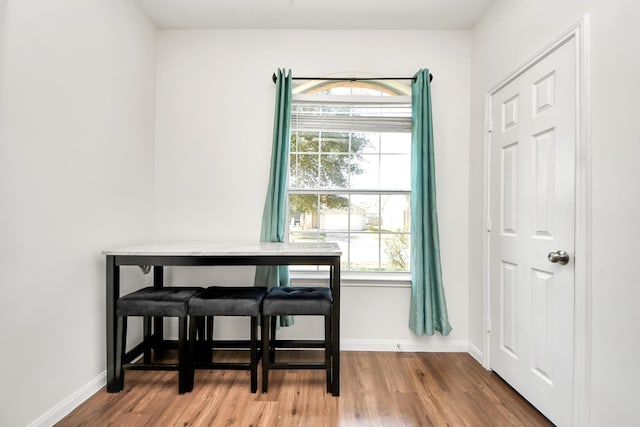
x: 428, y: 311
x: 274, y: 216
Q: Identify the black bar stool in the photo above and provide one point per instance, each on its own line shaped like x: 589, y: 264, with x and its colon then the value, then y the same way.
x: 306, y: 301
x: 154, y: 302
x: 225, y: 301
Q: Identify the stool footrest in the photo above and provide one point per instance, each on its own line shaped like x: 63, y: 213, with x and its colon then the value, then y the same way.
x: 134, y: 352
x: 298, y: 344
x: 222, y: 344
x: 139, y: 348
x: 151, y: 367
x: 237, y: 366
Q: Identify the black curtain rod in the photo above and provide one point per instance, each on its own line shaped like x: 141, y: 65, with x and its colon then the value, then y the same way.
x: 351, y: 79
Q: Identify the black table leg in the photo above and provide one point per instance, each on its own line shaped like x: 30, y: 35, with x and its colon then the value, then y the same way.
x: 335, y: 329
x: 158, y: 327
x: 113, y: 293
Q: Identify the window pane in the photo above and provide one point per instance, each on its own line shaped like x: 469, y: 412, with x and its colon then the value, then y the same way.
x: 365, y: 172
x: 334, y: 212
x: 335, y: 142
x: 305, y: 141
x: 395, y: 143
x: 343, y: 243
x: 303, y: 171
x: 395, y: 172
x: 304, y: 237
x: 303, y: 212
x: 365, y: 252
x: 341, y: 90
x: 365, y: 214
x: 307, y: 268
x: 365, y: 91
x: 395, y: 252
x: 395, y: 213
x: 334, y: 170
x: 293, y: 170
x: 365, y: 142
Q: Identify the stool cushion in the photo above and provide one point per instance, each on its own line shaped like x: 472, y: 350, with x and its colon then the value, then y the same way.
x: 228, y: 301
x: 298, y: 300
x: 165, y: 302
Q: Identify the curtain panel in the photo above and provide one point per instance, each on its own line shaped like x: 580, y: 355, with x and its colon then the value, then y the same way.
x: 428, y: 312
x: 274, y: 215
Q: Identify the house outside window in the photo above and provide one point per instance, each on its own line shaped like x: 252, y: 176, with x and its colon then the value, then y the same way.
x: 349, y: 172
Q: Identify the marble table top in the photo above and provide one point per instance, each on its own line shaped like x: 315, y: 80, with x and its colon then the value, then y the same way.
x: 229, y: 249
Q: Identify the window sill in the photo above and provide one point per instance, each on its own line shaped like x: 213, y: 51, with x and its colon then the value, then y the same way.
x: 355, y: 279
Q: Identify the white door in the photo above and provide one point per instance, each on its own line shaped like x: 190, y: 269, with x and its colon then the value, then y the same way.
x: 531, y: 218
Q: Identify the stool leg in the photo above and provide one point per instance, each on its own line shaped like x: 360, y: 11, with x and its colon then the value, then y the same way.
x: 209, y: 328
x: 273, y: 322
x: 158, y: 336
x: 209, y: 341
x: 194, y: 328
x: 254, y: 354
x: 121, y: 350
x: 147, y: 338
x: 199, y: 323
x: 265, y: 352
x: 183, y: 362
x: 201, y: 351
x: 327, y: 350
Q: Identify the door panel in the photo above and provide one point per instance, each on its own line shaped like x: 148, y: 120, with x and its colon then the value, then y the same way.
x: 532, y: 204
x: 509, y: 313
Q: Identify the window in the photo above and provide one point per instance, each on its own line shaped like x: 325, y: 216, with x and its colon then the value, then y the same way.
x: 349, y: 172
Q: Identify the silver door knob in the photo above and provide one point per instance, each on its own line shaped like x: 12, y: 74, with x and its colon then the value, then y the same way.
x: 561, y: 257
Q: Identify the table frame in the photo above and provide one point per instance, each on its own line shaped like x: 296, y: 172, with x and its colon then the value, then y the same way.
x: 158, y: 262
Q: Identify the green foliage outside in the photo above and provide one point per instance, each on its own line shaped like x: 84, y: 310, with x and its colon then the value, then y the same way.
x: 397, y: 249
x: 327, y: 165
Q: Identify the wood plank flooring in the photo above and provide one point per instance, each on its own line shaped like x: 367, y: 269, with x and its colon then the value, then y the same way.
x: 377, y: 389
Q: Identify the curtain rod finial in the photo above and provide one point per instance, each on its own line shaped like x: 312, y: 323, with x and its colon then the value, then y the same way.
x: 274, y: 77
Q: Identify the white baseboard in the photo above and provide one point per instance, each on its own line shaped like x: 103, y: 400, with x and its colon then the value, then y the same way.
x: 74, y: 400
x: 458, y: 346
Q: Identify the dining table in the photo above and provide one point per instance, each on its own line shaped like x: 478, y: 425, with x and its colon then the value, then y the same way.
x: 157, y: 256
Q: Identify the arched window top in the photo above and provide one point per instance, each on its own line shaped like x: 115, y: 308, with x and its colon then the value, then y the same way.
x: 353, y: 87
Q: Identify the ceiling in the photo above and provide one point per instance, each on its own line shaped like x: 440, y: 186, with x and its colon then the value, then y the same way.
x: 315, y: 14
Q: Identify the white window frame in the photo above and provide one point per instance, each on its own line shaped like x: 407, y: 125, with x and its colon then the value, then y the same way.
x: 355, y: 278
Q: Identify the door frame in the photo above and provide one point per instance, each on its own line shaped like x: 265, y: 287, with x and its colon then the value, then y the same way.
x: 582, y: 257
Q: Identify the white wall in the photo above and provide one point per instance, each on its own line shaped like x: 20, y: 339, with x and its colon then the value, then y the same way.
x: 77, y: 82
x: 213, y: 142
x: 507, y: 35
x: 76, y: 177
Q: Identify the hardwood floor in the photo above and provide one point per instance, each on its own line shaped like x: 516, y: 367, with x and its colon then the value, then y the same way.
x: 377, y: 389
